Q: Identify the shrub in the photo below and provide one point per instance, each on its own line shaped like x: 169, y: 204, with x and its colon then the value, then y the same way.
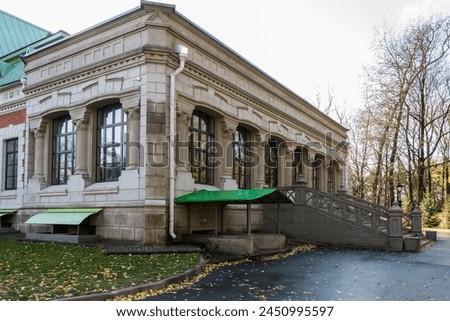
x: 430, y: 211
x: 446, y: 212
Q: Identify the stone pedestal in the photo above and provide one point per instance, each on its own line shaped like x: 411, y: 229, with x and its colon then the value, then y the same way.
x: 395, y: 241
x: 416, y: 221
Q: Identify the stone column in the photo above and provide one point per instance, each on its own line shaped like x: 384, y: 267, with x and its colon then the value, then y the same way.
x: 81, y: 149
x: 134, y: 145
x: 39, y: 151
x: 226, y: 141
x: 261, y: 142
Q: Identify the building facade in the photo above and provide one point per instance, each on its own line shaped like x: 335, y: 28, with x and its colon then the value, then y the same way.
x: 133, y: 112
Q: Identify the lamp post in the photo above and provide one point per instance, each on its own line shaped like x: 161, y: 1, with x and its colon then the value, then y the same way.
x: 399, y: 193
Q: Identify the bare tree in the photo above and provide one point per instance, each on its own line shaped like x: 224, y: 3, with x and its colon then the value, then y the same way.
x: 408, y: 101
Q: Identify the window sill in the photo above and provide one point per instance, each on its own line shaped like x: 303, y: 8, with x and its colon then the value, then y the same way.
x: 8, y: 195
x: 102, y: 188
x: 54, y: 190
x: 199, y: 187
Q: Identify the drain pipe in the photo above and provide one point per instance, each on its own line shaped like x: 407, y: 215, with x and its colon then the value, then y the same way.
x: 182, y: 55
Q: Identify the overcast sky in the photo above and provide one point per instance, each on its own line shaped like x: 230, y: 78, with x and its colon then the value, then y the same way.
x: 307, y: 45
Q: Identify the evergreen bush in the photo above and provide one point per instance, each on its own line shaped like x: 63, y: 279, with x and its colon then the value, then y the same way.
x: 430, y: 211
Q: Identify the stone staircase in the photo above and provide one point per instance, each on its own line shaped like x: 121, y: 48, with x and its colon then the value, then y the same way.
x: 341, y: 219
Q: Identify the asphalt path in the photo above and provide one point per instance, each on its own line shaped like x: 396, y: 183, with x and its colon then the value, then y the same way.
x: 330, y: 274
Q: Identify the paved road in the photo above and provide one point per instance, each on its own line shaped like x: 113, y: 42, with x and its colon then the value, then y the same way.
x: 331, y: 274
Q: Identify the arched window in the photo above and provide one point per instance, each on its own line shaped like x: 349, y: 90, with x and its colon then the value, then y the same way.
x: 297, y: 165
x: 202, y: 148
x: 271, y: 164
x: 63, y: 155
x: 241, y: 158
x: 111, y: 150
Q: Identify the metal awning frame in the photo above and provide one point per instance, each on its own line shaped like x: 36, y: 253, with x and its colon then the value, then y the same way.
x: 273, y: 195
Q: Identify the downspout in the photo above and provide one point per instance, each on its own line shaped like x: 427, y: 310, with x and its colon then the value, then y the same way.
x: 182, y: 55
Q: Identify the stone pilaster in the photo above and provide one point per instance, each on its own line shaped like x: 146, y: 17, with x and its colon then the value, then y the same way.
x: 183, y: 123
x: 81, y: 160
x: 39, y: 151
x: 133, y: 126
x: 289, y: 162
x: 131, y: 107
x: 184, y: 182
x: 261, y: 141
x: 228, y: 128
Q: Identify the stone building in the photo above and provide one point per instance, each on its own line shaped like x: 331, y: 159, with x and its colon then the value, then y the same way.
x: 128, y: 115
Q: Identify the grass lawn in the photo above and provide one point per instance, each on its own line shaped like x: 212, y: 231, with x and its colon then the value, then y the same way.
x: 34, y: 271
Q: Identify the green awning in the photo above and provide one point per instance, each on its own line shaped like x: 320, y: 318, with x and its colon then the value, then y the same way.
x: 6, y: 212
x: 63, y: 216
x: 239, y: 196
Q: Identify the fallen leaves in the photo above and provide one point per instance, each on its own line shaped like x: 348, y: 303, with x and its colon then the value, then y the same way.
x: 173, y: 288
x: 31, y: 271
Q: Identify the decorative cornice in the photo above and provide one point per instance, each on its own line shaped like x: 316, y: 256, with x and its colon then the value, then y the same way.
x: 84, y: 73
x: 259, y: 105
x: 9, y: 108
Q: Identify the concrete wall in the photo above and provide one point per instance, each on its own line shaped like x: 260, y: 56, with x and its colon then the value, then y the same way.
x: 307, y: 224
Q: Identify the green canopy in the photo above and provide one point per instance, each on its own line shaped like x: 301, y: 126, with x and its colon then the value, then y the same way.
x: 6, y: 212
x: 266, y: 195
x: 63, y: 216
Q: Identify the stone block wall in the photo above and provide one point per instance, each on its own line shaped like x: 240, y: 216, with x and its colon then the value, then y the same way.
x: 120, y: 223
x: 306, y: 224
x: 204, y: 217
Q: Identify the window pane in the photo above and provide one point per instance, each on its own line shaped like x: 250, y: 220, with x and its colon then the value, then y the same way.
x: 63, y: 146
x: 118, y: 134
x: 195, y: 122
x: 241, y: 155
x: 109, y: 138
x: 202, y: 149
x: 111, y: 157
x: 109, y: 117
x: 271, y: 157
x: 11, y: 160
x: 9, y: 182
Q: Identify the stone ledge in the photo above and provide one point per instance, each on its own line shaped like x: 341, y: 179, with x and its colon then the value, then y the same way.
x: 269, y: 241
x: 189, y: 274
x: 62, y: 238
